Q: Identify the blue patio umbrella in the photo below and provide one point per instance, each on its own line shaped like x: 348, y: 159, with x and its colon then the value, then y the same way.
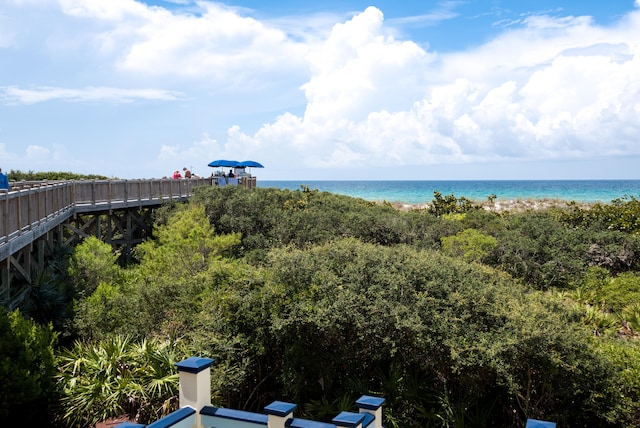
x: 223, y: 163
x: 249, y: 164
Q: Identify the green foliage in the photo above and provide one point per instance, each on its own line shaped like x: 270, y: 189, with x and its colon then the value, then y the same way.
x: 159, y: 295
x: 436, y: 319
x: 26, y: 370
x: 621, y: 291
x: 449, y: 204
x: 536, y: 247
x: 599, y: 287
x: 186, y: 245
x: 93, y: 262
x: 624, y: 357
x: 17, y: 175
x: 47, y: 297
x: 631, y: 316
x: 344, y: 297
x: 116, y: 377
x: 622, y: 214
x: 469, y: 244
x: 609, y: 305
x: 269, y: 218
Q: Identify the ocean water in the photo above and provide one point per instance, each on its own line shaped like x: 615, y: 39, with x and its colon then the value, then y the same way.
x: 419, y: 192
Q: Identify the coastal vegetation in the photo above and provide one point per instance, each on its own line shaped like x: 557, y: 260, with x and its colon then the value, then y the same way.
x: 457, y: 315
x: 18, y: 175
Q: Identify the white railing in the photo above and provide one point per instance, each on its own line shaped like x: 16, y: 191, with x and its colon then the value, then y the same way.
x: 196, y: 410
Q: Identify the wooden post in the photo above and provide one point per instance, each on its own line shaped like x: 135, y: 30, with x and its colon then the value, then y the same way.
x: 5, y: 271
x: 5, y: 218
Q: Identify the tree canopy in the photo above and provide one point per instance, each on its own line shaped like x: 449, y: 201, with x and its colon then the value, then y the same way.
x: 458, y: 316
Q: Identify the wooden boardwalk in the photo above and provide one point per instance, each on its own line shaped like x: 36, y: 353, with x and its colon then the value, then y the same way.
x: 32, y: 211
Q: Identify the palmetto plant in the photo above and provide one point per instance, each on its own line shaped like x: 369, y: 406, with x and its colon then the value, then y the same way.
x: 631, y: 314
x: 44, y: 299
x: 117, y: 377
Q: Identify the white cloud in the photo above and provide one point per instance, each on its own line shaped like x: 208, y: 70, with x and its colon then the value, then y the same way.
x: 109, y: 10
x: 351, y: 94
x: 204, y: 148
x: 5, y: 154
x: 557, y: 88
x: 216, y: 44
x: 38, y: 157
x: 443, y: 12
x: 354, y: 71
x: 193, y: 156
x: 14, y: 95
x: 37, y: 153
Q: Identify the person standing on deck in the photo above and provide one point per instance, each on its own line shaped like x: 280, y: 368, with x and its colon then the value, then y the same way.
x: 4, y: 180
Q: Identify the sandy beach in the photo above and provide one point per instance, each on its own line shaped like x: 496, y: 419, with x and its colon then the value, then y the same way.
x: 498, y: 206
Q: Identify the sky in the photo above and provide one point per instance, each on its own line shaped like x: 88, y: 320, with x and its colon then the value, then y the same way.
x: 330, y: 90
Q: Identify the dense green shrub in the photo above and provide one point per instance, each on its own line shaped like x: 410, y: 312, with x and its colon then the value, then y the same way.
x: 48, y: 296
x: 622, y: 214
x: 344, y: 297
x: 450, y: 204
x: 116, y: 377
x: 268, y: 218
x: 469, y: 244
x: 157, y: 296
x: 625, y: 385
x: 462, y: 333
x: 93, y: 262
x: 539, y: 249
x: 17, y: 175
x: 26, y: 370
x: 599, y: 287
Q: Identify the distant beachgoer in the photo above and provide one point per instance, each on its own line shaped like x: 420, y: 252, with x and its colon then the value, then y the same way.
x: 187, y: 173
x: 4, y: 180
x: 176, y: 174
x: 231, y: 173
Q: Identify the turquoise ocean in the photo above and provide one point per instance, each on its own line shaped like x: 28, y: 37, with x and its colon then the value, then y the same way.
x: 420, y: 192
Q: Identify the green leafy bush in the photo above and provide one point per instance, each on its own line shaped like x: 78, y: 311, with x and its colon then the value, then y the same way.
x: 622, y: 214
x: 344, y: 297
x: 118, y: 377
x: 26, y: 370
x: 17, y: 175
x: 469, y: 244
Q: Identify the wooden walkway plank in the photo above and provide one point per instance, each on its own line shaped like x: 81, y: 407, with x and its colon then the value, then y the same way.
x: 32, y: 209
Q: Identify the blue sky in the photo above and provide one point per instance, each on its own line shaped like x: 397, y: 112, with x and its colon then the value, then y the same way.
x: 323, y: 90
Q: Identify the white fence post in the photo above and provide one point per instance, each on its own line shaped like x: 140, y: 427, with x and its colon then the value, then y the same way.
x: 373, y: 406
x: 278, y: 413
x: 348, y: 420
x: 195, y: 384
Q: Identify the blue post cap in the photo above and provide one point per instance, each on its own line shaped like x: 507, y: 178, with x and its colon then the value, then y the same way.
x: 369, y: 403
x: 280, y: 408
x: 535, y: 423
x: 348, y: 419
x: 194, y: 364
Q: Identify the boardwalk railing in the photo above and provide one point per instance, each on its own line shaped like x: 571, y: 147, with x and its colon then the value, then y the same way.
x: 196, y: 410
x: 31, y: 209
